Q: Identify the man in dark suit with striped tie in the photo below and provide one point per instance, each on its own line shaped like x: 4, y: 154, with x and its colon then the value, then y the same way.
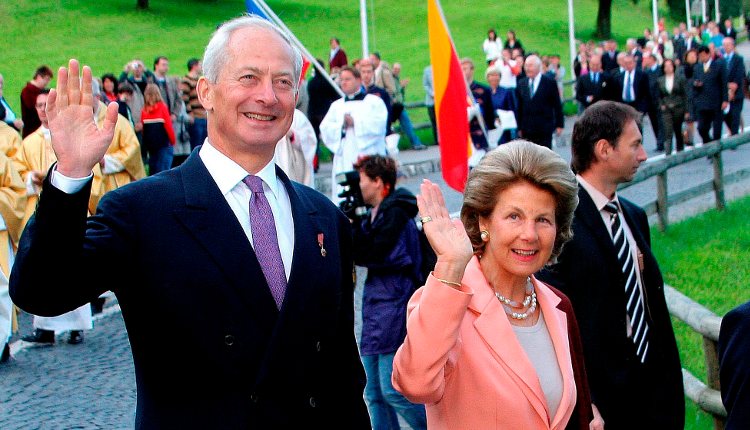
x: 614, y: 282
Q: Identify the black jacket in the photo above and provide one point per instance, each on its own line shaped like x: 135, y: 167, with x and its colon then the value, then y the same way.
x: 210, y: 347
x: 541, y: 113
x: 628, y: 394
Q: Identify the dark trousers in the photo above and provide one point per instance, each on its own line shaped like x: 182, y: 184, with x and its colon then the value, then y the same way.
x: 733, y: 117
x: 431, y: 113
x: 672, y: 120
x: 706, y: 120
x: 543, y: 138
x: 655, y: 118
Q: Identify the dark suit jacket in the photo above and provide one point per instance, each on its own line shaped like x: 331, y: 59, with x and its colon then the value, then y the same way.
x: 641, y: 90
x: 728, y: 32
x: 734, y: 367
x: 210, y: 347
x: 541, y: 113
x: 483, y: 96
x: 736, y: 74
x: 713, y: 92
x: 609, y: 63
x: 678, y: 98
x: 679, y: 48
x: 628, y: 394
x: 585, y: 87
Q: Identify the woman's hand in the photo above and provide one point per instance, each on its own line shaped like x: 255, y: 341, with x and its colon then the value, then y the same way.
x: 446, y: 236
x: 598, y: 422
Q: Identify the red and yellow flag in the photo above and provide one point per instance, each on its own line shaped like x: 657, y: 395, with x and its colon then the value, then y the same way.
x: 450, y: 100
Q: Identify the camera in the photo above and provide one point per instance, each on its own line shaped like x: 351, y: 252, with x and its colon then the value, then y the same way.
x: 354, y: 205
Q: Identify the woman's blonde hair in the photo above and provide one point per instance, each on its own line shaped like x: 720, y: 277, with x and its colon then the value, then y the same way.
x: 514, y: 162
x: 152, y: 95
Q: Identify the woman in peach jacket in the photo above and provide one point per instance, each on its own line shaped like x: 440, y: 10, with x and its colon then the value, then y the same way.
x: 488, y: 346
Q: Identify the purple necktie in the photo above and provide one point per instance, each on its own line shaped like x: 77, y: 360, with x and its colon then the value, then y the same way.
x: 265, y: 242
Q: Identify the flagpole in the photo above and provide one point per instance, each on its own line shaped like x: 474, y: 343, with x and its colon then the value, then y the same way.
x: 572, y: 40
x: 363, y: 25
x: 268, y: 11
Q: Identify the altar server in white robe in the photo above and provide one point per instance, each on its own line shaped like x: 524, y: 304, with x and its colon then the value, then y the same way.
x: 295, y: 152
x: 355, y: 125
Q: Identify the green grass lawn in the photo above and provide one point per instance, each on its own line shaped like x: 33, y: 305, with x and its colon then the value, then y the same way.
x: 706, y: 258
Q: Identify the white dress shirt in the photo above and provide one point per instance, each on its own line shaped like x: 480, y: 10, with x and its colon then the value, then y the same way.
x: 600, y: 200
x: 228, y: 176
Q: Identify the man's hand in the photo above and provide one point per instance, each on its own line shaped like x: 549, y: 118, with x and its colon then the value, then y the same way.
x: 37, y: 177
x: 558, y: 131
x: 77, y: 142
x: 724, y: 105
x: 18, y: 124
x: 348, y: 120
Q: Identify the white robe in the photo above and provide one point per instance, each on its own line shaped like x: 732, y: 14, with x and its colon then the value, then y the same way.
x: 6, y: 305
x: 296, y: 158
x: 366, y: 137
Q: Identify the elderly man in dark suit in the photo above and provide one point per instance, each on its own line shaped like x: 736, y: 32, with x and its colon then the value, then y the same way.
x: 590, y: 88
x: 613, y: 280
x: 735, y: 65
x: 539, y: 111
x: 227, y: 326
x: 631, y: 86
x: 709, y: 93
x: 734, y: 367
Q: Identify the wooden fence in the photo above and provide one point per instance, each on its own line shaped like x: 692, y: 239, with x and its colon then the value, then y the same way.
x: 706, y: 395
x: 716, y: 184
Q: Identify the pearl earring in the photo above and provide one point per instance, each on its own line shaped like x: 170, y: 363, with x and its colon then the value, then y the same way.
x: 485, y: 235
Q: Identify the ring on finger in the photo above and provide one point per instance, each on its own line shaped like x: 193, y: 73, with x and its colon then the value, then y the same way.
x: 425, y: 219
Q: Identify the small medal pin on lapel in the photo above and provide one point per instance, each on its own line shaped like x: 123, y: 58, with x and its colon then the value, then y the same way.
x: 320, y: 244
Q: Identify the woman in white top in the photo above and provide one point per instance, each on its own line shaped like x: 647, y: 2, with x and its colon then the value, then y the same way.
x: 492, y: 46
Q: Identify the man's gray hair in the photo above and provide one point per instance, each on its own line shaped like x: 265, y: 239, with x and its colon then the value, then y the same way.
x: 534, y: 59
x: 216, y: 55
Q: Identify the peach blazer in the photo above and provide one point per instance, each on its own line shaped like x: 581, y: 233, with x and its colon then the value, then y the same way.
x: 462, y: 359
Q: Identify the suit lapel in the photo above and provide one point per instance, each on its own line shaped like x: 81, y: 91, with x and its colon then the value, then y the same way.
x: 210, y: 220
x: 557, y: 325
x: 493, y: 326
x: 588, y: 215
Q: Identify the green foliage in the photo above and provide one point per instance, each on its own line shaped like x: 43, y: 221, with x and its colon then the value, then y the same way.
x: 706, y: 258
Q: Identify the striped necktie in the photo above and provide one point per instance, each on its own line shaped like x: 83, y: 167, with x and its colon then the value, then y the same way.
x: 634, y: 303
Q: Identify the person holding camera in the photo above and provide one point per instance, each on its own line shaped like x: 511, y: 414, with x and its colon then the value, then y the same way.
x: 386, y: 241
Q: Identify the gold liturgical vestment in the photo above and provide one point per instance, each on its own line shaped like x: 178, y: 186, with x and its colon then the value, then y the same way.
x: 10, y: 140
x: 37, y: 154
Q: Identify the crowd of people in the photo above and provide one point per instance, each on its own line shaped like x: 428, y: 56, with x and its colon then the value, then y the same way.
x: 544, y: 309
x: 692, y: 76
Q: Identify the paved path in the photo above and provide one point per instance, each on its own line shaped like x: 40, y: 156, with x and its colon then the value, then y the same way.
x: 92, y: 385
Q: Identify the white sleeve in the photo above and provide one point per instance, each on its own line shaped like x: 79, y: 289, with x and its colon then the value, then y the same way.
x: 112, y: 165
x: 304, y: 136
x: 331, y: 128
x: 66, y: 184
x: 370, y: 118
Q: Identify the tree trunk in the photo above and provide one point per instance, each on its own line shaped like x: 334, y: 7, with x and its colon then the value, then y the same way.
x: 142, y: 4
x: 604, y: 20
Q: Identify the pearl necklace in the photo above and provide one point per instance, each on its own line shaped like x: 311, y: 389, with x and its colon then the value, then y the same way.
x: 529, y: 302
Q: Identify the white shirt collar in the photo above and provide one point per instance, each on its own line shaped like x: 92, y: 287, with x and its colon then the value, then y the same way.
x: 227, y: 173
x: 600, y: 200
